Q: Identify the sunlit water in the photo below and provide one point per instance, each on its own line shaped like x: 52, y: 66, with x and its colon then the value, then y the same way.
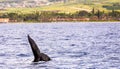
x: 70, y: 45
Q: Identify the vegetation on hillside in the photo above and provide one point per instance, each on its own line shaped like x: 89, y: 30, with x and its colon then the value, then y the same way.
x: 50, y: 16
x: 71, y: 6
x: 70, y: 10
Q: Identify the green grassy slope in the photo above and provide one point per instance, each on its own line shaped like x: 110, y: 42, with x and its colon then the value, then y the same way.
x: 69, y: 7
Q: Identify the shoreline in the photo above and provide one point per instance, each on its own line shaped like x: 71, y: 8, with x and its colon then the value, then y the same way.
x: 100, y: 22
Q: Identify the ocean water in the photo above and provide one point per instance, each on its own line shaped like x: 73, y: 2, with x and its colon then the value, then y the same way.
x: 70, y: 45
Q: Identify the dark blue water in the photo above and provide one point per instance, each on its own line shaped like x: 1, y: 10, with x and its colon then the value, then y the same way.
x: 70, y: 45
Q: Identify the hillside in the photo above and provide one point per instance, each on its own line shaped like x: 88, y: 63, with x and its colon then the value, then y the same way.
x: 22, y: 3
x: 69, y: 6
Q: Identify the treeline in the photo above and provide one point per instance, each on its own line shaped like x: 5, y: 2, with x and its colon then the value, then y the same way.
x: 116, y: 6
x: 49, y: 16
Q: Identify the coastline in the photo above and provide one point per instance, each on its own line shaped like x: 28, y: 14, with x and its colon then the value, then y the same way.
x: 61, y: 22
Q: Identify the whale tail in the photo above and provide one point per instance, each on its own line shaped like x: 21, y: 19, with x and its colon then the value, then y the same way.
x: 36, y: 52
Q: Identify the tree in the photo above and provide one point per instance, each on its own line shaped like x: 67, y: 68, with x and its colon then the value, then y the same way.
x: 93, y: 11
x: 98, y: 14
x: 13, y: 16
x: 82, y: 13
x: 113, y: 12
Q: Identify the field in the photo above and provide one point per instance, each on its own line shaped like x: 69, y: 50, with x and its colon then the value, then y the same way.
x: 69, y: 7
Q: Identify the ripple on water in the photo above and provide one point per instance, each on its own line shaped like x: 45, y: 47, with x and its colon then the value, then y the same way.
x: 23, y: 55
x: 74, y: 54
x: 24, y: 44
x: 114, y: 58
x: 2, y: 54
x: 70, y: 45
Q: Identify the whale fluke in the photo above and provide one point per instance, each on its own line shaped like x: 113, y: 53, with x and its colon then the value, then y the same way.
x: 36, y: 52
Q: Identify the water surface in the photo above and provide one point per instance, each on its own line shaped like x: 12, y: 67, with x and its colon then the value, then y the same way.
x: 70, y: 45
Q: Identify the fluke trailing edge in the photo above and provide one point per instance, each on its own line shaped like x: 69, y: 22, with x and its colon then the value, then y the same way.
x: 38, y: 56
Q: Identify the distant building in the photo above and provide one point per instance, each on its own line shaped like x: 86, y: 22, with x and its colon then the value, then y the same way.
x: 4, y: 20
x: 2, y: 9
